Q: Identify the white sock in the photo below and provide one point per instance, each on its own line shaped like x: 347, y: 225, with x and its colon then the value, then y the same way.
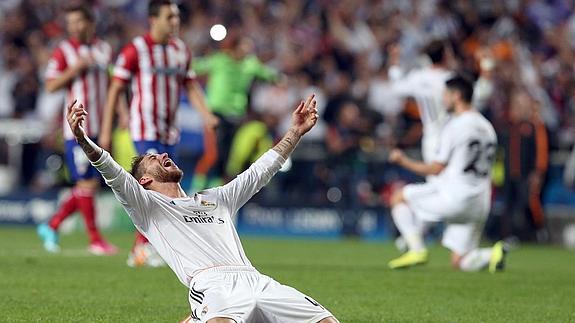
x: 475, y: 260
x: 408, y: 227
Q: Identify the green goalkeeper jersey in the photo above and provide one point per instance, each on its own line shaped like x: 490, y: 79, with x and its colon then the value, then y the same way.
x: 229, y: 81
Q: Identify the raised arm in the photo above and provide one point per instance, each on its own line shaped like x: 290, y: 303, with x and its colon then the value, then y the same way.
x: 76, y: 116
x: 303, y: 119
x: 128, y: 191
x: 401, y: 83
x: 237, y: 192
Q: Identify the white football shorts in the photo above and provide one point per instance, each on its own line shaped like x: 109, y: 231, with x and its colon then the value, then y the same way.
x: 464, y: 219
x: 244, y: 295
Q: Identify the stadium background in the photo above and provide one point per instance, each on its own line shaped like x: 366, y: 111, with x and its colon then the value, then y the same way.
x: 340, y: 50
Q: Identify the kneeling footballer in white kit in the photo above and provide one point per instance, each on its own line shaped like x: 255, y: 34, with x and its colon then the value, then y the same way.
x: 195, y: 234
x: 461, y: 194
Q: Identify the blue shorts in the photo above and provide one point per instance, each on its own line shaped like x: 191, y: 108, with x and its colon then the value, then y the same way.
x: 78, y: 163
x: 155, y: 147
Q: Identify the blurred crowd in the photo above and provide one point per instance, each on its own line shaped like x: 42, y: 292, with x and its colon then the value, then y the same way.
x: 344, y: 51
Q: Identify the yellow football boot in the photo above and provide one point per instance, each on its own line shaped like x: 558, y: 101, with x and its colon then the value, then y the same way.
x: 497, y: 260
x: 408, y: 259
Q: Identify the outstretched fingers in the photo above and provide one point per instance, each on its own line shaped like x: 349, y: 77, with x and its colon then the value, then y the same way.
x: 80, y: 111
x: 76, y: 116
x: 71, y: 106
x: 299, y: 108
x: 313, y: 107
x: 309, y: 100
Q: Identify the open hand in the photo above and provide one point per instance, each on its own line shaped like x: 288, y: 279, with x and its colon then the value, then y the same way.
x: 76, y: 115
x: 305, y: 115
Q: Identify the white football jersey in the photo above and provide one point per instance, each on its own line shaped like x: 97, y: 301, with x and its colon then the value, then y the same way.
x: 192, y: 233
x: 426, y: 86
x: 467, y: 146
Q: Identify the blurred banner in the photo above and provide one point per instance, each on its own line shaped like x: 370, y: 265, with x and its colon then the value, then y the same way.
x: 27, y: 209
x: 311, y: 222
x: 369, y: 224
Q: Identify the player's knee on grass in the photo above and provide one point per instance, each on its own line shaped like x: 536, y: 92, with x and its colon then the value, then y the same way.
x: 456, y: 261
x: 397, y: 197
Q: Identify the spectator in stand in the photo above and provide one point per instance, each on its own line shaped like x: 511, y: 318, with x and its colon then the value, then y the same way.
x: 526, y: 162
x: 343, y: 164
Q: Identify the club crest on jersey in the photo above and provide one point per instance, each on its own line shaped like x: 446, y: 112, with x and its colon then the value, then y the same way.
x: 207, y: 203
x: 204, y: 310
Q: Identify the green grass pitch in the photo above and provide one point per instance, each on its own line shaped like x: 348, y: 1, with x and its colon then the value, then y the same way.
x: 350, y: 278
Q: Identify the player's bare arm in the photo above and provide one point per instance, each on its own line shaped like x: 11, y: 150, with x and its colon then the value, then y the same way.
x: 303, y: 119
x: 249, y: 182
x: 197, y: 98
x: 76, y: 116
x: 68, y: 75
x: 105, y: 139
x: 123, y: 112
x: 420, y: 168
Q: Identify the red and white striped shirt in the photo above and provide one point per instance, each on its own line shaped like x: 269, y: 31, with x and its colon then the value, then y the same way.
x: 90, y: 86
x: 157, y: 73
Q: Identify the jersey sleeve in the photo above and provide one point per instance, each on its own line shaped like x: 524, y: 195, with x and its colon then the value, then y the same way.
x: 190, y: 74
x: 237, y: 192
x: 126, y: 64
x: 202, y: 65
x: 133, y: 197
x: 445, y: 147
x: 262, y: 71
x: 56, y: 65
x: 402, y: 85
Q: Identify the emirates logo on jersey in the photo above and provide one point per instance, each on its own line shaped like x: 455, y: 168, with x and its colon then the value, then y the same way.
x: 203, y: 219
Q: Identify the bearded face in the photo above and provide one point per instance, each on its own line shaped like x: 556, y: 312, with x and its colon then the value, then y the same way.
x: 163, y: 175
x: 163, y: 170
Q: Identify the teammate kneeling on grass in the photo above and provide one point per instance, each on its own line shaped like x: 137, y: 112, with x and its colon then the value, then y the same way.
x: 461, y: 195
x: 195, y: 234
